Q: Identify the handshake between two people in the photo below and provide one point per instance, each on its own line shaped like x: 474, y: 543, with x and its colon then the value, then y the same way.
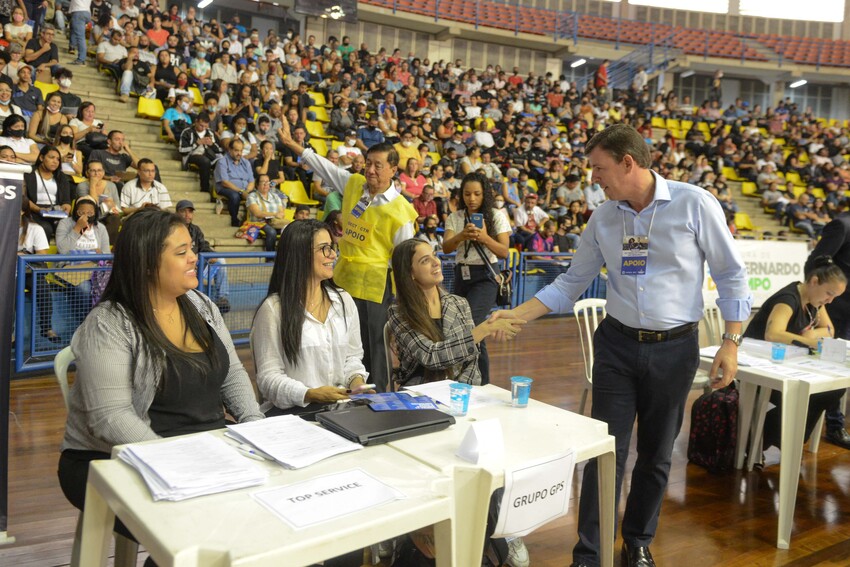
x: 502, y: 325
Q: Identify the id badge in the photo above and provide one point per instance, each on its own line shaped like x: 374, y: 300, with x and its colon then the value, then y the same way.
x: 635, y: 254
x: 464, y: 273
x: 360, y: 208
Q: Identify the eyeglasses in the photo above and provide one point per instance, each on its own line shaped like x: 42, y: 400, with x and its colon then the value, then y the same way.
x: 327, y: 249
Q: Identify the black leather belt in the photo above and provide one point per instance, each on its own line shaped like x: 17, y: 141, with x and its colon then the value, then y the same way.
x: 648, y: 336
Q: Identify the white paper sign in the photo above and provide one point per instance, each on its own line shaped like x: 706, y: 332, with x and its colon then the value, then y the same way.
x: 327, y: 497
x: 535, y: 493
x: 834, y: 350
x: 483, y: 439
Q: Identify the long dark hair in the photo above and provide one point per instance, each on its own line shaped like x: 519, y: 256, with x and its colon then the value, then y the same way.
x: 411, y: 302
x: 26, y: 217
x: 293, y: 268
x: 135, y: 271
x: 488, y: 201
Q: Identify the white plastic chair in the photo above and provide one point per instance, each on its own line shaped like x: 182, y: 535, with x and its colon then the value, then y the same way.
x: 714, y: 325
x: 126, y: 550
x: 588, y: 314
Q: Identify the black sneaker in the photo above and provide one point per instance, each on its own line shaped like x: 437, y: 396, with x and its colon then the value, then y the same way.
x: 838, y: 437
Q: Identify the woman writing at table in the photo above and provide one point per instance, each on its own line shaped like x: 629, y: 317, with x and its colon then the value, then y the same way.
x: 433, y: 330
x: 154, y: 358
x: 796, y: 314
x: 306, y: 347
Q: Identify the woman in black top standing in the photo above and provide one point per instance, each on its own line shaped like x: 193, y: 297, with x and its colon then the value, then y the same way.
x: 796, y: 314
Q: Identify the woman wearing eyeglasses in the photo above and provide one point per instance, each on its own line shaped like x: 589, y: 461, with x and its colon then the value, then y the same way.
x: 306, y: 334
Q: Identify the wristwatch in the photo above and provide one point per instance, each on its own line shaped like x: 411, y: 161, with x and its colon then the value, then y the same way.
x: 734, y: 337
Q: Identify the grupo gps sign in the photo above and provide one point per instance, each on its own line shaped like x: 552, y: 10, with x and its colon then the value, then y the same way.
x: 770, y: 267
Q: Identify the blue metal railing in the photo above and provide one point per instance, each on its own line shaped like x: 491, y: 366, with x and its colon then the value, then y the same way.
x: 60, y: 297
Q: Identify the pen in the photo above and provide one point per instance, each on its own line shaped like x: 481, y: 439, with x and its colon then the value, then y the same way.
x: 250, y: 453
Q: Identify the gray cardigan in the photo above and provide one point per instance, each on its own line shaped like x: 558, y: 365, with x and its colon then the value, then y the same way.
x: 116, y: 382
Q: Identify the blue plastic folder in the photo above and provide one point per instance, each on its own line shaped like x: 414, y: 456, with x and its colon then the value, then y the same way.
x: 392, y: 401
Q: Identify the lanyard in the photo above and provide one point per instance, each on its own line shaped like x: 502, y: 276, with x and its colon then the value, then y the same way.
x: 651, y: 220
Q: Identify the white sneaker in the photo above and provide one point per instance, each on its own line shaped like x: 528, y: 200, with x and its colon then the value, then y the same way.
x: 517, y: 554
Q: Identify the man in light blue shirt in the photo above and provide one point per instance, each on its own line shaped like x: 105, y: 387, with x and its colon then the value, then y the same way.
x: 654, y: 236
x: 234, y: 179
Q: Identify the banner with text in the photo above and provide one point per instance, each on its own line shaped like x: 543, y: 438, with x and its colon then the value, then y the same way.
x: 770, y: 267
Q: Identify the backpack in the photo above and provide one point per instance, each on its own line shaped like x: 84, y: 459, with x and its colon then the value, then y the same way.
x: 714, y: 430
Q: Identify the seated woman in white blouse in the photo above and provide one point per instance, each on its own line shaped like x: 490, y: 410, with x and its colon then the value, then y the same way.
x: 306, y: 334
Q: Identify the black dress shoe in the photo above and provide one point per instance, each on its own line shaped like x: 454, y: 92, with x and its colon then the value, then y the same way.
x: 839, y: 437
x: 636, y: 557
x: 579, y: 564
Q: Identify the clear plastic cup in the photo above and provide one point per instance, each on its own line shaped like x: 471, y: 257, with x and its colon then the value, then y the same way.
x: 777, y: 353
x: 459, y: 398
x: 520, y: 391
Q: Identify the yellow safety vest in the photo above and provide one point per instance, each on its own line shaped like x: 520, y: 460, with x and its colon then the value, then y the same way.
x: 366, y: 245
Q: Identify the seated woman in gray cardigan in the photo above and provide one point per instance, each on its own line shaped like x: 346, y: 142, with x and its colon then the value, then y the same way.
x: 154, y: 358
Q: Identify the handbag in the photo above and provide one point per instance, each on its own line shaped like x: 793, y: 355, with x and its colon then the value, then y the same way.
x: 505, y: 293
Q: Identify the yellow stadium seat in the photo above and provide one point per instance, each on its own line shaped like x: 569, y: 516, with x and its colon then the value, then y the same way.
x: 318, y: 98
x: 335, y: 144
x: 798, y: 190
x: 150, y: 108
x: 818, y: 193
x: 687, y: 125
x: 749, y: 189
x: 673, y: 123
x: 321, y: 113
x: 287, y: 187
x: 316, y: 130
x: 298, y: 196
x: 780, y: 141
x: 658, y: 122
x: 726, y: 129
x: 435, y: 157
x: 289, y: 214
x: 198, y: 98
x: 532, y: 184
x: 730, y: 174
x: 46, y: 88
x: 743, y: 221
x: 319, y: 145
x: 794, y: 178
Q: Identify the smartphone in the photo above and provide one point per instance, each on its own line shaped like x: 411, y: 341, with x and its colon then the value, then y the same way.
x: 477, y: 219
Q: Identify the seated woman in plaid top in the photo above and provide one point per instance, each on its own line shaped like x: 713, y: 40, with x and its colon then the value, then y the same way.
x: 433, y: 330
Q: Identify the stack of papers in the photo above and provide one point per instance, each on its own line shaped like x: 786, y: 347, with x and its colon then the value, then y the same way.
x: 191, y: 466
x: 291, y: 441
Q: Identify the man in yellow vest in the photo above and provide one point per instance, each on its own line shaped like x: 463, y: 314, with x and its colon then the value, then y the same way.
x: 375, y: 218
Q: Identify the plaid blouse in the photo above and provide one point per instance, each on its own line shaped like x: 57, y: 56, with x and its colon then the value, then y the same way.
x: 421, y: 359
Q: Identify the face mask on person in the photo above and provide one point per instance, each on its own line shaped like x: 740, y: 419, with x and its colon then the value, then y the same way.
x: 66, y: 139
x: 293, y: 51
x: 53, y: 110
x: 314, y: 68
x: 234, y: 36
x: 202, y: 54
x: 5, y: 102
x: 65, y: 83
x: 426, y: 120
x: 430, y: 229
x: 18, y: 18
x: 212, y: 108
x: 514, y: 179
x: 16, y: 133
x: 499, y: 203
x: 185, y: 106
x: 351, y: 143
